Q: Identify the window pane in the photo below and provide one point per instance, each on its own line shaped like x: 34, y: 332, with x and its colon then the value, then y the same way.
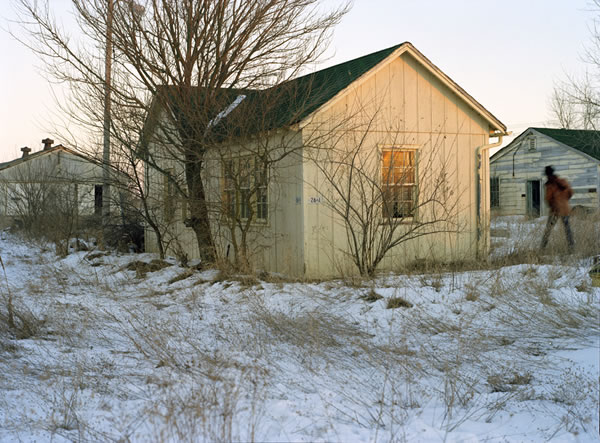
x: 398, y: 173
x: 245, y: 188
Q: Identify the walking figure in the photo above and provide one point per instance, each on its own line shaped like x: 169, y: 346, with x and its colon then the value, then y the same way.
x: 558, y: 193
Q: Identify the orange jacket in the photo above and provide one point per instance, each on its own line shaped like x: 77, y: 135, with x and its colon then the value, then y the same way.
x: 558, y: 193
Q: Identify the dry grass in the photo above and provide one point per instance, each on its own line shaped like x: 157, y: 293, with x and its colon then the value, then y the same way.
x: 372, y: 296
x: 508, y: 382
x: 184, y: 275
x: 398, y: 302
x: 142, y: 268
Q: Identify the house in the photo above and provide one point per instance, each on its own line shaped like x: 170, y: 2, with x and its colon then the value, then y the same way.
x: 51, y: 182
x: 517, y: 170
x: 416, y: 137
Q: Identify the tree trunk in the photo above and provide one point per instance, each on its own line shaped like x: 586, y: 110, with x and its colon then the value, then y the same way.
x: 199, y: 216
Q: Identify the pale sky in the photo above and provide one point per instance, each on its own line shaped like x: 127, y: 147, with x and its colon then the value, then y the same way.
x: 508, y: 54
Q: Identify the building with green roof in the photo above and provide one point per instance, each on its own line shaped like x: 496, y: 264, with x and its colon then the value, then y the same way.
x: 517, y: 170
x: 389, y: 134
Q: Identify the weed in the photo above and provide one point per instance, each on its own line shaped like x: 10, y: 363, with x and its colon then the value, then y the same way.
x: 435, y: 281
x: 398, y: 302
x: 530, y: 272
x: 185, y: 274
x: 584, y: 286
x: 142, y: 268
x: 471, y: 292
x: 372, y: 296
x: 507, y: 383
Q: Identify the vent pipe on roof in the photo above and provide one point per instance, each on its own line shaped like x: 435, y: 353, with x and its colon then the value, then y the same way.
x: 47, y: 143
x: 25, y: 150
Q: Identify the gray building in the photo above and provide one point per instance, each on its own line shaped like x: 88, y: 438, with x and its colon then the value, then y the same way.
x: 517, y: 170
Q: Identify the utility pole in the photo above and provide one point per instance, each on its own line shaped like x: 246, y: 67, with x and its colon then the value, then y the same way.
x: 106, y: 127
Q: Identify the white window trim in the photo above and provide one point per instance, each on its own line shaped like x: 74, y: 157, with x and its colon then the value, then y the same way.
x: 401, y: 147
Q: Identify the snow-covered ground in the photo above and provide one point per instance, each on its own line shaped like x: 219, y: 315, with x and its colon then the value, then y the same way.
x: 106, y: 353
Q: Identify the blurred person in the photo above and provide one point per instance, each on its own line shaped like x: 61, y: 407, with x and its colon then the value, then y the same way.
x: 558, y: 193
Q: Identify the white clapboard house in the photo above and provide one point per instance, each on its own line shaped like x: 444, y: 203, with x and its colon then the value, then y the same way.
x: 517, y: 170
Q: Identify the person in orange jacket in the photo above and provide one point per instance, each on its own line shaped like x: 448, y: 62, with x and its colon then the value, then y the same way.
x: 558, y: 193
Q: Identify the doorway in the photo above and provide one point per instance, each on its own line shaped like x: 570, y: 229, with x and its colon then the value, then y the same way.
x: 533, y: 198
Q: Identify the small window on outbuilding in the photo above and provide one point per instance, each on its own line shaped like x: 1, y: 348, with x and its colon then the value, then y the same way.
x: 531, y: 143
x: 495, y: 192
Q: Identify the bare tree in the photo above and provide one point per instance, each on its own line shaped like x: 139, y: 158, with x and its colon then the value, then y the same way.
x: 576, y: 102
x: 563, y: 109
x: 198, y: 48
x: 383, y: 193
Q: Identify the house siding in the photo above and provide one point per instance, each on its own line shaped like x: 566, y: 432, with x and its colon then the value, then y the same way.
x: 275, y: 246
x: 417, y: 110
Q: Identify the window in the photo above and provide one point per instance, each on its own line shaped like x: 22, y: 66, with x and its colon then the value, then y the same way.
x: 531, y: 143
x: 228, y: 188
x: 398, y: 182
x: 262, y: 198
x: 245, y: 189
x: 495, y: 192
x: 168, y: 194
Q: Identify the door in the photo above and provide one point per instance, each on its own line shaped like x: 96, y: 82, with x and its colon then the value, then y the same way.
x: 533, y: 198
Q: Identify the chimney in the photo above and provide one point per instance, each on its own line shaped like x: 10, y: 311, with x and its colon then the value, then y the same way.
x: 25, y: 150
x: 47, y: 143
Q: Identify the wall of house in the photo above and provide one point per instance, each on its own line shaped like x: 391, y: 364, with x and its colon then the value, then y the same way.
x: 275, y: 246
x: 58, y: 168
x: 581, y: 172
x: 167, y: 211
x: 401, y: 104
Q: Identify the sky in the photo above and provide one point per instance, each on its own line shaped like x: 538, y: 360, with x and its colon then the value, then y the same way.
x: 507, y: 54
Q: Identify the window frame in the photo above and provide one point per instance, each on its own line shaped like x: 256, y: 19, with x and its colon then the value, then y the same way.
x: 401, y: 148
x: 169, y: 194
x: 234, y: 203
x: 494, y: 192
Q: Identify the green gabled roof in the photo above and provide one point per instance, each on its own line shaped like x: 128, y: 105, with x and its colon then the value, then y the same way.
x: 585, y: 141
x: 318, y: 88
x: 282, y: 105
x: 285, y: 104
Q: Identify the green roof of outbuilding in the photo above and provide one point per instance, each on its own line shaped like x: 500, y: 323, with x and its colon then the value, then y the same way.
x: 585, y: 141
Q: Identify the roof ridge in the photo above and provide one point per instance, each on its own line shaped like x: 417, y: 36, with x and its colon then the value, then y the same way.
x: 356, y: 59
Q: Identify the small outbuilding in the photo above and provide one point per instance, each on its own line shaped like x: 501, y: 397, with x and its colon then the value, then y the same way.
x: 517, y: 170
x: 54, y: 182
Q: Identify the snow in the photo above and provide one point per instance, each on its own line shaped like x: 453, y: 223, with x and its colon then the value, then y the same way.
x: 500, y: 354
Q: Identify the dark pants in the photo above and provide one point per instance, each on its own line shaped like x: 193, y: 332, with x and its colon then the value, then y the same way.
x: 552, y: 219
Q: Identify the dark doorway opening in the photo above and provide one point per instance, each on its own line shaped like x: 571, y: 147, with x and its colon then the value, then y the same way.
x: 98, y: 199
x: 533, y: 198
